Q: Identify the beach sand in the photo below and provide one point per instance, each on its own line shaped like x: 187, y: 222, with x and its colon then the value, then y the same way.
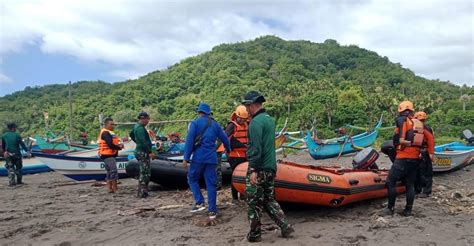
x: 46, y: 212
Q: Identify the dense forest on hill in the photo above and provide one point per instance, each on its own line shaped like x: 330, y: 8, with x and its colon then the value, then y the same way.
x: 322, y: 84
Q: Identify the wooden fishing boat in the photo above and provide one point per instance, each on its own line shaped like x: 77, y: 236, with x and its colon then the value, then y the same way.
x: 452, y: 156
x: 30, y: 166
x: 326, y: 186
x: 322, y: 149
x: 79, y: 167
x: 57, y: 144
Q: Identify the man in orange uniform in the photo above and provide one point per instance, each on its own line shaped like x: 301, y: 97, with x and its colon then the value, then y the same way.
x: 109, y: 145
x: 425, y: 175
x: 236, y: 130
x: 408, y: 139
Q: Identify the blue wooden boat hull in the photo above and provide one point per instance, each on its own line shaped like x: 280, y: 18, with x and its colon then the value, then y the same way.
x: 333, y: 148
x: 30, y: 166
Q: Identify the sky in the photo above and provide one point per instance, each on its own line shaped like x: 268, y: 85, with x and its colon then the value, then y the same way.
x: 47, y: 42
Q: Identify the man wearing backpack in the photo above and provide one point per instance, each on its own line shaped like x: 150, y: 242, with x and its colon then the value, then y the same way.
x: 143, y: 152
x: 201, y: 144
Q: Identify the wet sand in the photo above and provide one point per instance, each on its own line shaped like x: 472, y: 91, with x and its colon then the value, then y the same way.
x: 44, y: 212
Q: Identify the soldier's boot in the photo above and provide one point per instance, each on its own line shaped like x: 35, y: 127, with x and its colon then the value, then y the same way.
x: 286, y: 233
x: 114, y: 186
x: 19, y: 179
x: 139, y: 191
x: 11, y: 179
x: 253, y: 239
x: 144, y: 191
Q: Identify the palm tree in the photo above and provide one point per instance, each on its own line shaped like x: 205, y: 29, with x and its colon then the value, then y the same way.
x: 464, y: 99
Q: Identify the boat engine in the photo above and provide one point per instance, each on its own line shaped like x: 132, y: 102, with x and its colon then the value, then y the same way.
x: 365, y: 159
x: 388, y: 149
x: 467, y: 135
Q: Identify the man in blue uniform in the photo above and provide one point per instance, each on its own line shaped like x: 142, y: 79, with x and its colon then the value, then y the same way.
x: 201, y: 143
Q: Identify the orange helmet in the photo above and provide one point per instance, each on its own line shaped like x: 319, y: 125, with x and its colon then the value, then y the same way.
x: 405, y: 105
x: 420, y: 115
x: 241, y: 112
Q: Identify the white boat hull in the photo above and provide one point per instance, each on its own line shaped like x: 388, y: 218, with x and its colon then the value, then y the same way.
x: 81, y: 168
x: 449, y: 160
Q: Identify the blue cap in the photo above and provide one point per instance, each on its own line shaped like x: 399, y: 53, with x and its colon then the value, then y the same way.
x: 204, y: 108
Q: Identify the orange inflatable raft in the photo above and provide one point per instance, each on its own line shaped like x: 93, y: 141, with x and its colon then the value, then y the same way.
x: 326, y: 186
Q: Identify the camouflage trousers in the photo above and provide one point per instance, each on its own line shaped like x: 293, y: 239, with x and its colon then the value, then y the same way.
x: 261, y: 197
x: 144, y: 173
x: 219, y: 172
x: 14, y: 164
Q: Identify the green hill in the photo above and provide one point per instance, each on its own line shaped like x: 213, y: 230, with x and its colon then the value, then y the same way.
x: 325, y: 83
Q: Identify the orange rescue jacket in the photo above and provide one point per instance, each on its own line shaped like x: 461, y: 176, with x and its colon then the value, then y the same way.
x: 240, y: 134
x: 412, y: 130
x: 104, y: 149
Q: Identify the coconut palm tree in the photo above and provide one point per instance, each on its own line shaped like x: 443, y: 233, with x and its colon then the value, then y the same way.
x: 464, y: 99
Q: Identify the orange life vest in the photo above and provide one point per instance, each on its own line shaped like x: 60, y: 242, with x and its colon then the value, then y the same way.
x: 418, y: 136
x: 414, y: 132
x: 240, y: 133
x: 104, y: 149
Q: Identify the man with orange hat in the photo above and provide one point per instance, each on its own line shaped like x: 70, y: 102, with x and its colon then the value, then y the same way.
x: 424, y: 179
x: 408, y: 139
x: 236, y: 130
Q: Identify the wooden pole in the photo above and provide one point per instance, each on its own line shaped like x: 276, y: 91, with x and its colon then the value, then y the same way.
x: 155, y: 122
x: 70, y: 113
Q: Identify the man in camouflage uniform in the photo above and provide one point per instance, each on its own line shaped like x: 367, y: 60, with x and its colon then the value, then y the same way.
x: 143, y: 152
x: 11, y: 143
x: 262, y: 169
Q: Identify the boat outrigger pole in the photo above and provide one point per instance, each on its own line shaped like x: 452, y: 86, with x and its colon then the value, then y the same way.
x: 70, y: 114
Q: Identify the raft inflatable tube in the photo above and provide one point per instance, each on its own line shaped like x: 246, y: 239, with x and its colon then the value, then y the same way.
x: 171, y: 173
x: 326, y: 186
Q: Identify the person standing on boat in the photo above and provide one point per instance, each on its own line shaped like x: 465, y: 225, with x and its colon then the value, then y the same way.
x: 201, y: 144
x: 109, y: 146
x: 424, y: 181
x: 408, y: 139
x: 143, y: 152
x: 11, y: 143
x: 236, y: 130
x: 262, y: 169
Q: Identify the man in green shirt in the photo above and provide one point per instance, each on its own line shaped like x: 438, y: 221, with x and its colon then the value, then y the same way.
x: 11, y: 142
x: 143, y: 152
x: 262, y: 169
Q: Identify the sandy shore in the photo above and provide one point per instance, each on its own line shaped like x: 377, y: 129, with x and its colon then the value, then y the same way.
x: 44, y: 212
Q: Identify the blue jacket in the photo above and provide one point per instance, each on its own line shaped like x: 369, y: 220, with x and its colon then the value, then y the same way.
x: 206, y: 152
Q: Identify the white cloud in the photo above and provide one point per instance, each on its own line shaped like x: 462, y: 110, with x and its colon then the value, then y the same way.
x: 433, y: 38
x: 5, y: 79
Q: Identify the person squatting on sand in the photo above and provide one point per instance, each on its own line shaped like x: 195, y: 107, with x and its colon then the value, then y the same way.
x: 424, y: 180
x: 109, y: 146
x: 143, y: 152
x: 407, y: 139
x: 262, y: 169
x: 201, y: 144
x: 11, y: 143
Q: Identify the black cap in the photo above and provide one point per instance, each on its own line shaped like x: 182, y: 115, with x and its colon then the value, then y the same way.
x: 143, y: 115
x: 11, y: 125
x: 253, y: 97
